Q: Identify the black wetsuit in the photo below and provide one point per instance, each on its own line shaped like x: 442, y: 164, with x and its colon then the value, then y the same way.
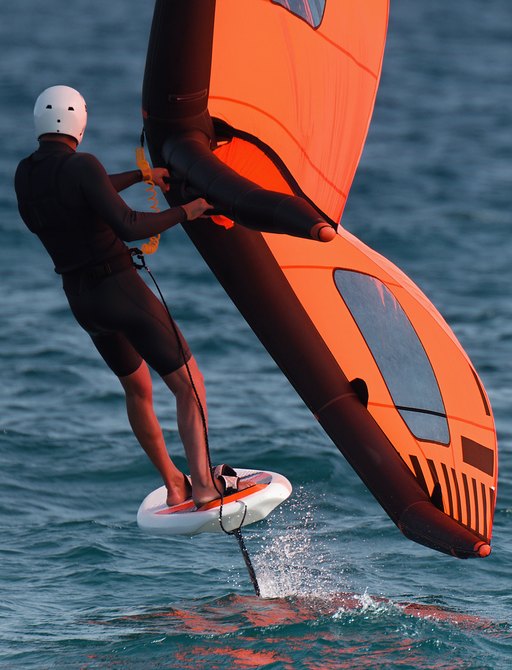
x: 68, y: 200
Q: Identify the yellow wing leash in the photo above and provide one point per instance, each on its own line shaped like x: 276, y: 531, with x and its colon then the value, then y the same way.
x: 147, y: 176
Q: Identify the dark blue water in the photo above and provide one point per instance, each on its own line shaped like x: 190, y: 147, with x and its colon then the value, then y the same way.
x: 80, y: 586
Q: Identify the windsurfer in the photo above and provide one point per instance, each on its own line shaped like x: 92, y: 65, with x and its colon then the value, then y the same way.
x: 70, y: 202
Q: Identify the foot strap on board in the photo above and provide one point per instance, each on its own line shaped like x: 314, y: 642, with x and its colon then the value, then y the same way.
x: 228, y: 478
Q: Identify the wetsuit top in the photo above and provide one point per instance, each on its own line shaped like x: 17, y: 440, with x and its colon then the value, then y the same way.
x: 69, y: 201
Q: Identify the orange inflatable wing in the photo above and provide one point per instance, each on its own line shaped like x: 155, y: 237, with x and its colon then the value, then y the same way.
x: 263, y: 108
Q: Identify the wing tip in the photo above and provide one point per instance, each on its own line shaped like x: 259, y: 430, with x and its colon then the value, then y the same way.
x: 482, y: 549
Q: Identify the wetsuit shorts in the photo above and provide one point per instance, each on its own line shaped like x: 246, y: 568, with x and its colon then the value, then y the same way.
x: 126, y: 322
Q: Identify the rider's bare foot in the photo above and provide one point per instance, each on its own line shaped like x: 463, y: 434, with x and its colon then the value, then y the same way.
x: 179, y: 492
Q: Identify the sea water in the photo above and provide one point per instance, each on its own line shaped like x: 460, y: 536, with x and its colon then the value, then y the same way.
x: 81, y: 587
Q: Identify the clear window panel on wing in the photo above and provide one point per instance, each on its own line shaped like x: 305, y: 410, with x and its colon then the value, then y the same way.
x: 311, y: 11
x: 398, y: 352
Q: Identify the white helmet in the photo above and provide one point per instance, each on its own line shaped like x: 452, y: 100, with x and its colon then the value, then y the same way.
x: 60, y: 109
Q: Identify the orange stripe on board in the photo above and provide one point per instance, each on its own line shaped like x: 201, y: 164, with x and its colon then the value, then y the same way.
x: 189, y: 506
x: 232, y: 497
x: 294, y: 140
x: 186, y: 506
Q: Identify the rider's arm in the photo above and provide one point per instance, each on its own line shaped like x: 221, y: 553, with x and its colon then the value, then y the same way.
x: 104, y: 200
x: 123, y: 180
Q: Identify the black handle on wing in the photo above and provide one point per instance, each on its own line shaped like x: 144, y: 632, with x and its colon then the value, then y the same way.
x: 190, y: 159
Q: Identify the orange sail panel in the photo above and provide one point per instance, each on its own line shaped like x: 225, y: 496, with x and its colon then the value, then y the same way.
x: 275, y: 97
x: 308, y: 93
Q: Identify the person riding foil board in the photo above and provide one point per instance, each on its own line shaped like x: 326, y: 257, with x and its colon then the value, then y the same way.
x: 69, y: 201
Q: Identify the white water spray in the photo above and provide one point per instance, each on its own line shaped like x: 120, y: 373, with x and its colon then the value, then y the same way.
x: 294, y: 561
